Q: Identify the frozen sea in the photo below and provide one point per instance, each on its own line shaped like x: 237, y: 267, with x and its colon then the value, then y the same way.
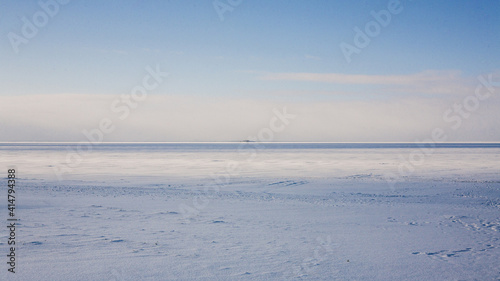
x: 253, y: 211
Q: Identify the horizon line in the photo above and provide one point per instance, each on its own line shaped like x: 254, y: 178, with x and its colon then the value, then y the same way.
x: 332, y: 142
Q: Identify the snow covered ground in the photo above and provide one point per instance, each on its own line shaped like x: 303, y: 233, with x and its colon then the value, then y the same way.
x: 303, y: 214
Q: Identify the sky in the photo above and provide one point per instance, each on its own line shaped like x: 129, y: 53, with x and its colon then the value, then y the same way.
x: 230, y: 70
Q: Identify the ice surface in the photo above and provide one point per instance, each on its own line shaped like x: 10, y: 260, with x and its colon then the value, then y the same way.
x: 131, y: 212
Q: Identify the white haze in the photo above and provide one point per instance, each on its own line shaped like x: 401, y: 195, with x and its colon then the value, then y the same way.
x: 63, y: 117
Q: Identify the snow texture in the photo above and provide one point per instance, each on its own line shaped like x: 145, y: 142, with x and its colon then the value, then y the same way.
x: 285, y: 214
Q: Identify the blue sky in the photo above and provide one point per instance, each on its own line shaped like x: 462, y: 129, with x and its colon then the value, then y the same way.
x: 261, y: 55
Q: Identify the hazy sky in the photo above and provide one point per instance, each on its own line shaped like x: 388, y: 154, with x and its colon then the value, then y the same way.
x: 346, y: 70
